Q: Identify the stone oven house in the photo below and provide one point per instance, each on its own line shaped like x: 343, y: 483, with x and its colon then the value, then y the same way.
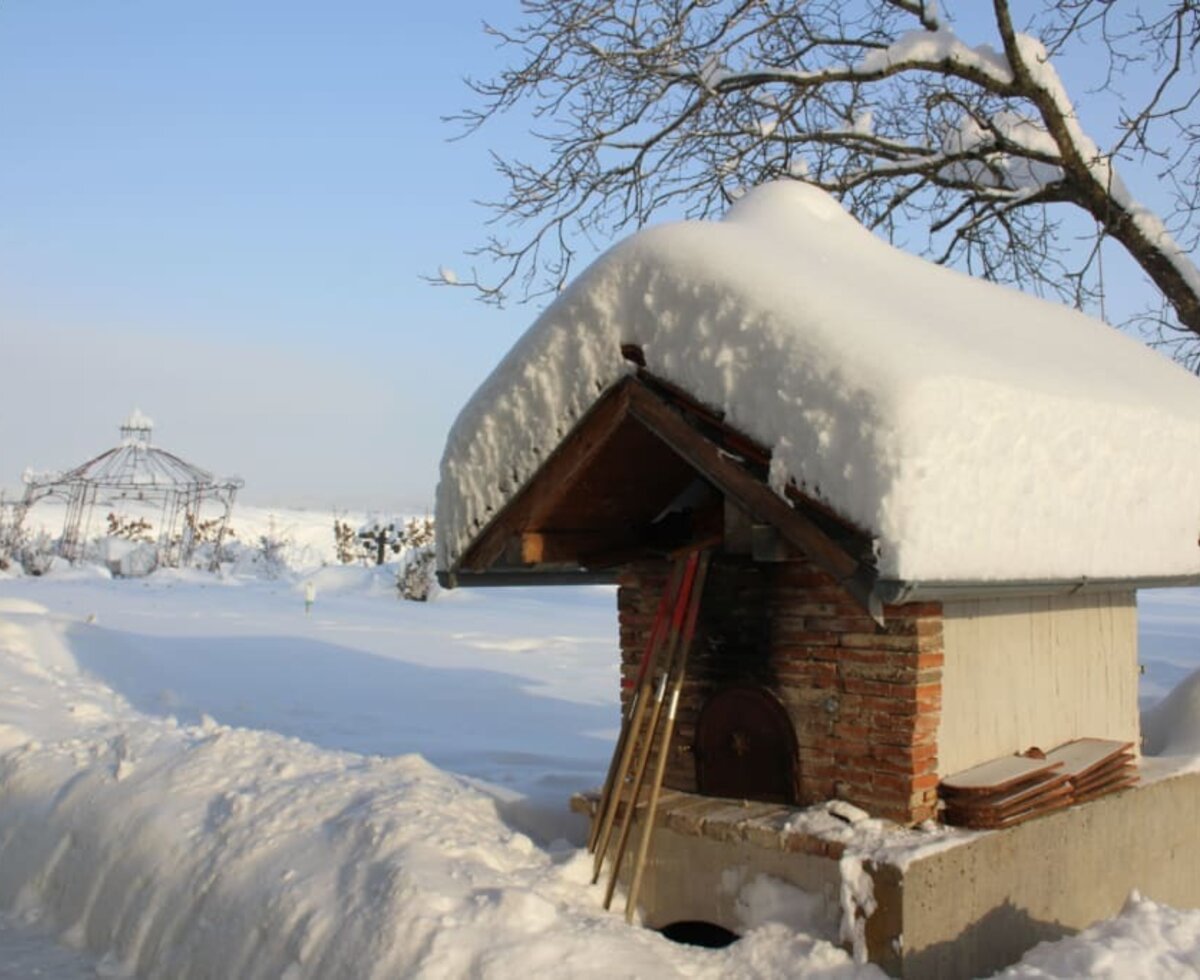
x: 934, y: 498
x: 931, y: 500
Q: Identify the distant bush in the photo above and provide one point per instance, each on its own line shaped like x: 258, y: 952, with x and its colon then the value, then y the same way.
x: 129, y: 528
x: 32, y: 553
x: 13, y: 537
x: 415, y: 579
x: 347, y: 546
x: 271, y: 554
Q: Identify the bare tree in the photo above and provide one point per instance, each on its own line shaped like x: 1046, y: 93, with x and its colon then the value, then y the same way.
x: 652, y: 107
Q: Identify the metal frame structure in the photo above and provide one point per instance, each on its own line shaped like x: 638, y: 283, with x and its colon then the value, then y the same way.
x: 136, y: 474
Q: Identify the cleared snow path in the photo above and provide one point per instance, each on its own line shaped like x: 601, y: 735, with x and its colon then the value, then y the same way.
x: 183, y: 850
x: 519, y: 693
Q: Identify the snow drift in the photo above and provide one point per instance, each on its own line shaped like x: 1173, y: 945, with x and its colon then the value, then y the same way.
x: 205, y: 850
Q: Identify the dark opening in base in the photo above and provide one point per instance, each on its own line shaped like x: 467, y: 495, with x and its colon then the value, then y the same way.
x: 696, y: 933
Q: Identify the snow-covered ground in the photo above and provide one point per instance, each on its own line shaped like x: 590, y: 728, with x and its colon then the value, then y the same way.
x: 199, y: 779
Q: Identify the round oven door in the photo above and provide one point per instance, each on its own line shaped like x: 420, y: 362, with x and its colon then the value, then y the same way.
x: 746, y: 747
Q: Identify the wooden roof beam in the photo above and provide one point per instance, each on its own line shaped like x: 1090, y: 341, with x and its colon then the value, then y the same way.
x: 552, y: 481
x: 753, y: 496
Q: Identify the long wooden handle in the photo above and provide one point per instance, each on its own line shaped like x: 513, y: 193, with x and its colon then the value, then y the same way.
x: 635, y: 791
x: 666, y: 655
x: 660, y: 766
x: 647, y: 739
x: 603, y: 821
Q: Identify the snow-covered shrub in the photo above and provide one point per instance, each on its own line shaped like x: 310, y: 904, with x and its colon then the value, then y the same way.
x: 126, y: 558
x: 36, y: 554
x: 13, y: 537
x: 271, y: 554
x: 415, y: 579
x: 346, y: 542
x: 20, y: 548
x: 379, y: 539
x: 206, y: 552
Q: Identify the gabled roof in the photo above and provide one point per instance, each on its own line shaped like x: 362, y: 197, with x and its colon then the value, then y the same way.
x: 975, y: 434
x: 648, y: 472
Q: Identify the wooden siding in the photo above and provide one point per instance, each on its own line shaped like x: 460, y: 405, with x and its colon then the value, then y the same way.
x: 1025, y: 672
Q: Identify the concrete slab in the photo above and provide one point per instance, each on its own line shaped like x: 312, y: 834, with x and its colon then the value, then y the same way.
x: 970, y: 910
x: 966, y: 907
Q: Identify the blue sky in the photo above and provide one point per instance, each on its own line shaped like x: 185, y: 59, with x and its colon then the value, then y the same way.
x: 219, y: 212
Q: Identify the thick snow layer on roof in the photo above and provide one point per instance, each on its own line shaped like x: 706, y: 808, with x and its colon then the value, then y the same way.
x: 978, y: 433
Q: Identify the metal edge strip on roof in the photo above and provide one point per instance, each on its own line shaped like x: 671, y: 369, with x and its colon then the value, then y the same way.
x: 894, y: 592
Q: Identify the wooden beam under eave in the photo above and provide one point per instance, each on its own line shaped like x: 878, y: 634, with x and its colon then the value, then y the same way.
x: 753, y: 496
x: 552, y: 481
x: 542, y: 547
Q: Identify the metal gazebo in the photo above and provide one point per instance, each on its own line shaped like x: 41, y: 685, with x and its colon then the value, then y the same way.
x: 171, y: 494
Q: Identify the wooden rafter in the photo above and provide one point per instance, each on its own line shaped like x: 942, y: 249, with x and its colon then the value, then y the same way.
x: 552, y: 482
x: 757, y: 457
x: 753, y: 496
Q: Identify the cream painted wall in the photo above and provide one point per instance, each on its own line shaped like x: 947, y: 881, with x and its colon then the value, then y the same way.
x: 1036, y: 671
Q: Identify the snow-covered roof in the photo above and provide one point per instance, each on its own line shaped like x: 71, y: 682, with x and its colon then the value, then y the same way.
x: 978, y: 433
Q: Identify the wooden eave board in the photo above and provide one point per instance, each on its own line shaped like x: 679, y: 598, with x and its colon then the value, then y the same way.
x: 1101, y: 772
x: 1087, y: 786
x: 1036, y: 801
x: 1126, y: 783
x: 998, y: 775
x: 1055, y: 799
x: 1084, y: 755
x: 1011, y: 821
x: 1019, y: 798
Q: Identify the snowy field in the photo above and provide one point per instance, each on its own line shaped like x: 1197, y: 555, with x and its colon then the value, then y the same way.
x: 197, y: 779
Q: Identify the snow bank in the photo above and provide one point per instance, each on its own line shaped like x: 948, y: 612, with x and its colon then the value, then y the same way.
x: 204, y: 850
x: 979, y: 433
x: 1146, y: 940
x: 1172, y: 727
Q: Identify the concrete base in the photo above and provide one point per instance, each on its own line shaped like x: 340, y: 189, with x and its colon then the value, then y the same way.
x: 973, y: 906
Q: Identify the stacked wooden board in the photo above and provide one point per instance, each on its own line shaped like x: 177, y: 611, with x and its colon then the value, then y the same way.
x: 1008, y: 791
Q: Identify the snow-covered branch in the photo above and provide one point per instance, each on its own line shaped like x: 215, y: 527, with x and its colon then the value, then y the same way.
x: 645, y: 106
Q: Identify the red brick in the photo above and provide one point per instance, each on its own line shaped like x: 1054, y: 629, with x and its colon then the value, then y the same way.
x: 840, y: 624
x: 881, y: 689
x: 822, y: 674
x: 884, y: 669
x: 799, y: 636
x: 914, y: 758
x: 881, y: 642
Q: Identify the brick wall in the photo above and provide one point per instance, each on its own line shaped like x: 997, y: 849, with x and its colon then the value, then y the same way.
x: 864, y: 700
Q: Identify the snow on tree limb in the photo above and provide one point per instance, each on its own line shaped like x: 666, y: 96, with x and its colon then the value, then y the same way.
x: 649, y: 106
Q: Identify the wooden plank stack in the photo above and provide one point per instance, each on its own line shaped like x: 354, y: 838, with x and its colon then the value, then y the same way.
x: 1011, y: 790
